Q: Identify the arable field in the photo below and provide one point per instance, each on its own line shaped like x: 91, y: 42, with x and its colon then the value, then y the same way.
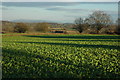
x: 61, y: 56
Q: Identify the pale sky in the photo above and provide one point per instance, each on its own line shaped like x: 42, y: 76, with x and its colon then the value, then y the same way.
x: 60, y: 0
x: 65, y: 12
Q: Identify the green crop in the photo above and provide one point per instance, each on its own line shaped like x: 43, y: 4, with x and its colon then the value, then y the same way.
x: 61, y: 56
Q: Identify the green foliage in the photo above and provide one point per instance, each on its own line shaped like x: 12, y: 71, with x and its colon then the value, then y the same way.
x: 61, y: 56
x: 20, y: 28
x: 42, y: 27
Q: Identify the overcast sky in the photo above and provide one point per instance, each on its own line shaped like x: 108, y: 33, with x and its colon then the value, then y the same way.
x: 55, y: 11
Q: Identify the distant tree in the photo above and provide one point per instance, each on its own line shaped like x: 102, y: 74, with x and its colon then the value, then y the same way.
x: 79, y: 24
x: 42, y: 27
x: 20, y: 28
x: 99, y: 19
x: 8, y: 29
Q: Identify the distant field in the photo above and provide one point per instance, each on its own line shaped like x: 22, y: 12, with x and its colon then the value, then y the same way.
x: 61, y: 56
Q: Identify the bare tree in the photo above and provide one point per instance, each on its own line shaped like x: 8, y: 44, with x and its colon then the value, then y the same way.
x: 79, y: 24
x: 99, y: 19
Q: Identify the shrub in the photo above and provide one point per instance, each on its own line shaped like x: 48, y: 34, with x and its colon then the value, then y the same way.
x: 42, y: 27
x: 20, y: 28
x: 104, y: 31
x: 90, y: 31
x: 8, y: 29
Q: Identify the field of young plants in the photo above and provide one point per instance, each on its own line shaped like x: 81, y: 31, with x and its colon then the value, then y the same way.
x: 61, y: 56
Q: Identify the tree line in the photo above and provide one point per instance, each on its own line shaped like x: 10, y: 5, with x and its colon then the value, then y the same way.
x: 23, y: 28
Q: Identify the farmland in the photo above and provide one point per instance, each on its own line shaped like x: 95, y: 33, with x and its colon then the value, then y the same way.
x: 61, y: 56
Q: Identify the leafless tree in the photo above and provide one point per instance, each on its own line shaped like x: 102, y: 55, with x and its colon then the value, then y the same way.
x: 99, y: 19
x: 79, y: 24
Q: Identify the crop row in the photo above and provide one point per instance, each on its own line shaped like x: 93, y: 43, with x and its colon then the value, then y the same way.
x: 65, y: 56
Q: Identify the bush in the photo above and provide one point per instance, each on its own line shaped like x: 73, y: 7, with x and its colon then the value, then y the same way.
x: 104, y: 31
x: 20, y: 28
x: 90, y: 31
x: 108, y: 30
x: 42, y: 27
x: 8, y: 29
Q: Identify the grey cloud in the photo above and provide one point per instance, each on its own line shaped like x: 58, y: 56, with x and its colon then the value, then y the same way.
x: 76, y: 16
x: 38, y: 4
x: 78, y: 10
x: 69, y: 10
x: 3, y: 7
